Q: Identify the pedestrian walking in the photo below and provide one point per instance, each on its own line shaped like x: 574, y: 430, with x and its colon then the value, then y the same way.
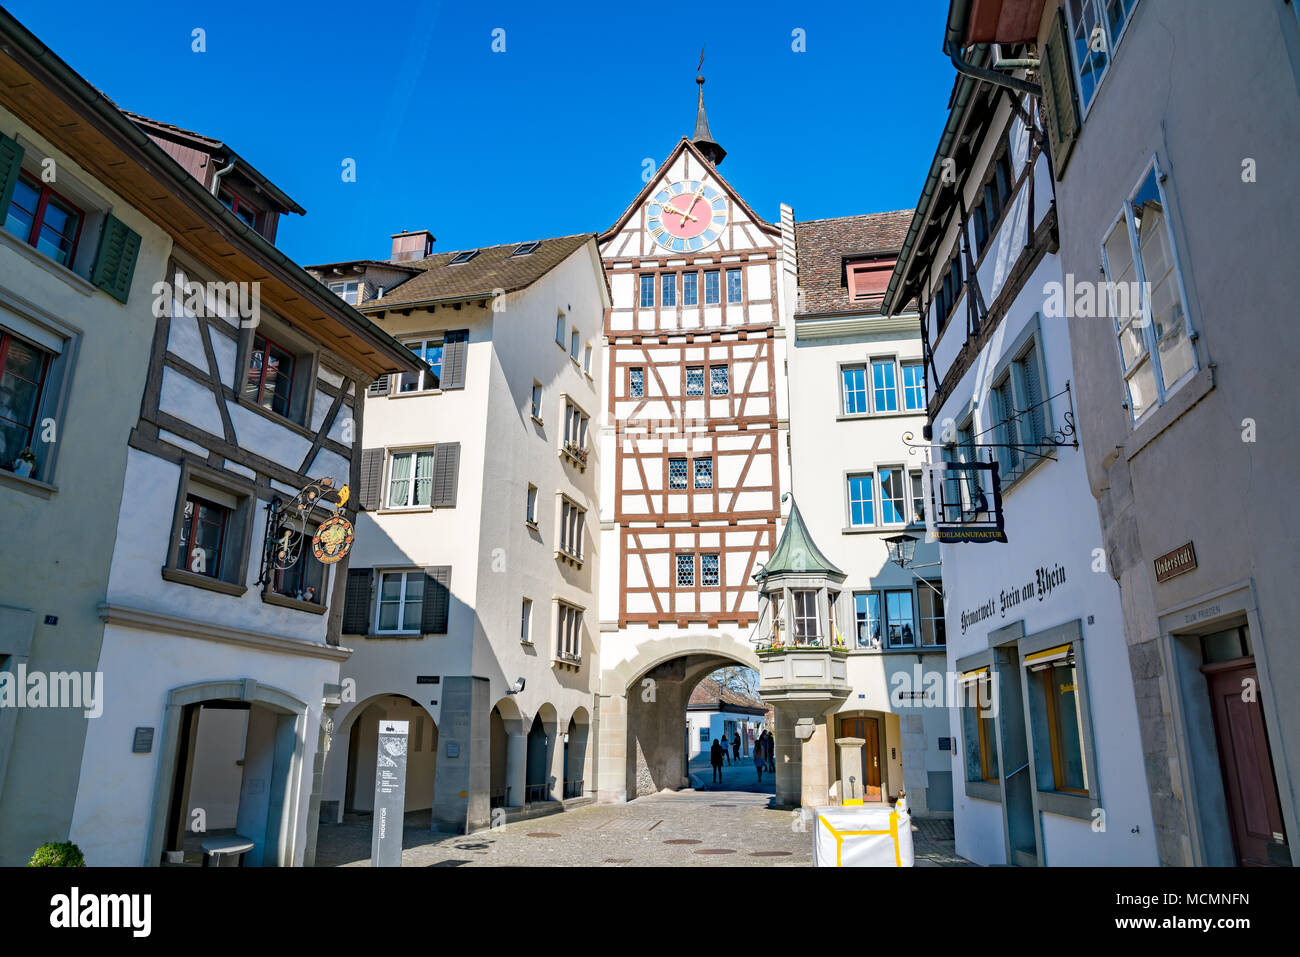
x: 715, y: 758
x: 769, y: 749
x: 759, y: 759
x: 735, y: 747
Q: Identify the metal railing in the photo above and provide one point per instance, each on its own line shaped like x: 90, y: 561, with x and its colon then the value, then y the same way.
x: 536, y: 793
x: 573, y: 789
x: 498, y: 798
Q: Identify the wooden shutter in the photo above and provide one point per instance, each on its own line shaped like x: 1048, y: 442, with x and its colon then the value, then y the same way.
x: 356, y: 602
x: 11, y: 163
x: 1059, y: 103
x: 1037, y: 415
x: 455, y: 344
x: 446, y: 471
x: 119, y: 245
x: 379, y: 386
x: 437, y: 600
x: 372, y: 478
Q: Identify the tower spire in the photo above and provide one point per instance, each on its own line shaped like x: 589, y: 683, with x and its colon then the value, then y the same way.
x: 703, y: 139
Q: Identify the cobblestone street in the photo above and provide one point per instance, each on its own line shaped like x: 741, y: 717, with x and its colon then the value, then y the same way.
x: 692, y: 828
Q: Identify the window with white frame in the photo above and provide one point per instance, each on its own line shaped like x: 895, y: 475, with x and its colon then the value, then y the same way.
x: 526, y: 622
x: 704, y: 472
x: 884, y: 388
x: 805, y: 615
x: 690, y: 289
x: 400, y: 602
x: 573, y: 518
x: 712, y: 288
x: 913, y: 387
x: 677, y: 473
x: 1146, y: 293
x: 695, y: 380
x: 719, y: 380
x: 709, y: 569
x: 430, y: 350
x: 892, y: 495
x: 647, y: 299
x: 866, y: 618
x: 854, y: 387
x: 568, y: 631
x: 349, y: 292
x: 530, y: 508
x: 668, y: 289
x: 862, y: 510
x: 930, y: 600
x: 685, y: 571
x: 733, y: 286
x: 1095, y: 28
x: 899, y: 619
x: 410, y: 479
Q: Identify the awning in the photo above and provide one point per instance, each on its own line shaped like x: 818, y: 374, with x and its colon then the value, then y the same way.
x: 968, y: 676
x: 1041, y: 659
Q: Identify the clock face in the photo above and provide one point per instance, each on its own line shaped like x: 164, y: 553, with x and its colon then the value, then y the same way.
x: 687, y: 216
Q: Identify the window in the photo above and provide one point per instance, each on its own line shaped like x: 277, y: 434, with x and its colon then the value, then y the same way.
x: 560, y: 326
x: 866, y: 618
x: 400, y: 602
x: 913, y: 387
x: 575, y: 343
x: 946, y: 295
x: 1021, y: 414
x: 572, y: 521
x: 636, y: 382
x: 526, y: 622
x: 883, y: 386
x: 536, y: 407
x: 918, y: 498
x: 805, y: 616
x: 1008, y: 433
x: 575, y: 431
x: 1093, y: 36
x: 686, y: 571
x: 568, y: 631
x: 711, y: 290
x: 704, y: 735
x: 709, y: 570
x: 861, y: 508
x: 868, y: 281
x: 733, y: 285
x: 1155, y: 338
x: 647, y: 291
x: 42, y: 218
x: 668, y: 289
x: 1057, y: 718
x: 463, y: 257
x: 430, y: 350
x: 303, y: 579
x: 704, y: 473
x: 530, y: 507
x: 978, y: 725
x: 349, y: 292
x: 695, y: 380
x: 677, y: 473
x: 719, y: 380
x: 269, y: 382
x: 892, y: 494
x: 931, y: 602
x: 899, y: 621
x: 690, y: 289
x: 203, y: 533
x: 854, y: 379
x: 238, y: 206
x: 23, y: 371
x: 586, y: 359
x: 526, y: 249
x: 410, y: 479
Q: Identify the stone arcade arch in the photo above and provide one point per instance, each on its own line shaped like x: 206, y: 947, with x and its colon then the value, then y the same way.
x: 643, y: 710
x: 360, y: 729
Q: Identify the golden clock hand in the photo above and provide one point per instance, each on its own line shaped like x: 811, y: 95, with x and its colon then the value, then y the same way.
x: 684, y: 215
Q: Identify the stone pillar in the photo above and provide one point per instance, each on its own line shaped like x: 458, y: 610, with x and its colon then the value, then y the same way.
x: 815, y: 760
x: 915, y: 777
x: 555, y: 761
x: 788, y: 758
x: 463, y: 779
x: 611, y: 749
x: 330, y: 700
x: 516, y: 767
x: 850, y: 768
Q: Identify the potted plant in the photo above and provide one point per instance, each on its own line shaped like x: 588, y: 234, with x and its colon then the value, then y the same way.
x: 56, y: 854
x: 25, y: 464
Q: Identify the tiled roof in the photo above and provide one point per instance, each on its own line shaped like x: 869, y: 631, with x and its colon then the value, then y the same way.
x: 494, y: 268
x: 709, y: 692
x: 822, y: 245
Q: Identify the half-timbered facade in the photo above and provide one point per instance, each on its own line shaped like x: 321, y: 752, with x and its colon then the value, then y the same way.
x: 693, y: 440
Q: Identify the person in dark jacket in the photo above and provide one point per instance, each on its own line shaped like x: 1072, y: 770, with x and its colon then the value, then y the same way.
x: 715, y: 758
x: 760, y: 758
x: 735, y: 746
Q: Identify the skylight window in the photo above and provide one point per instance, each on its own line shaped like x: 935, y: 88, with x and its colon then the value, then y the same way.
x: 464, y: 257
x: 525, y: 248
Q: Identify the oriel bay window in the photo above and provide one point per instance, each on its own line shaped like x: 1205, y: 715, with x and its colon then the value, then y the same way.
x: 806, y: 629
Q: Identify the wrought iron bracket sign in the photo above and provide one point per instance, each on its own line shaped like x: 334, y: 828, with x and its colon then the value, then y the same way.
x: 286, y: 528
x: 968, y: 508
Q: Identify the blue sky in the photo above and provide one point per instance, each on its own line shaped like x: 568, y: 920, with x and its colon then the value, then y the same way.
x: 545, y: 139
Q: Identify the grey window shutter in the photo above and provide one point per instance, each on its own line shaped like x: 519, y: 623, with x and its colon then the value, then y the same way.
x: 119, y: 245
x: 1059, y: 103
x: 356, y: 602
x: 455, y: 344
x: 1033, y: 396
x: 379, y: 386
x: 372, y: 478
x: 11, y: 162
x: 437, y: 600
x: 446, y: 472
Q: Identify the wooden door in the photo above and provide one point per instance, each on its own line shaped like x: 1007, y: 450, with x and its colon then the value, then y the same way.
x: 869, y: 730
x: 1254, y: 811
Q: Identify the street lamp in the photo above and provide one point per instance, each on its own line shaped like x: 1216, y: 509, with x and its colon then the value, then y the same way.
x: 902, y: 548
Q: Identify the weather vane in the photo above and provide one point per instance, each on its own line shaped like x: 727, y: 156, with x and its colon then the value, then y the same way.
x: 700, y: 65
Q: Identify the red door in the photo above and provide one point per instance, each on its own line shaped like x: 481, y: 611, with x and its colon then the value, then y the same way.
x: 1254, y: 811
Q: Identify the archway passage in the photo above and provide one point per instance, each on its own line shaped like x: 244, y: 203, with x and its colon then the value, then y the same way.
x: 363, y: 742
x: 726, y: 720
x: 576, y: 740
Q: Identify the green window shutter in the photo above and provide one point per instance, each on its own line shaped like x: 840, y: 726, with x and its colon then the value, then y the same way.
x: 437, y: 600
x: 372, y: 476
x: 1059, y: 104
x: 11, y: 162
x: 119, y: 245
x: 356, y: 602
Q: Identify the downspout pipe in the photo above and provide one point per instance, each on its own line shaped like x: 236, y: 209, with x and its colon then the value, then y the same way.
x: 990, y: 76
x: 216, y: 177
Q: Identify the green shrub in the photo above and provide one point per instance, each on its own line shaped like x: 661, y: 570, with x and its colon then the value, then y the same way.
x: 55, y: 854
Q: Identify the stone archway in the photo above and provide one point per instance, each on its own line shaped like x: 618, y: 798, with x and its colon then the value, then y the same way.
x: 643, y: 711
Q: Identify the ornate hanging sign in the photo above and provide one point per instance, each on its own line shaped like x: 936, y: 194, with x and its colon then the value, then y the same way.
x: 332, y: 540
x: 287, y: 528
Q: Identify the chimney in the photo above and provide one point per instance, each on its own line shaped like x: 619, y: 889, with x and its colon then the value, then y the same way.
x: 413, y: 244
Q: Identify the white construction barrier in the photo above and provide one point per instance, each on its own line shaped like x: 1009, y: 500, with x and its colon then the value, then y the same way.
x: 860, y: 836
